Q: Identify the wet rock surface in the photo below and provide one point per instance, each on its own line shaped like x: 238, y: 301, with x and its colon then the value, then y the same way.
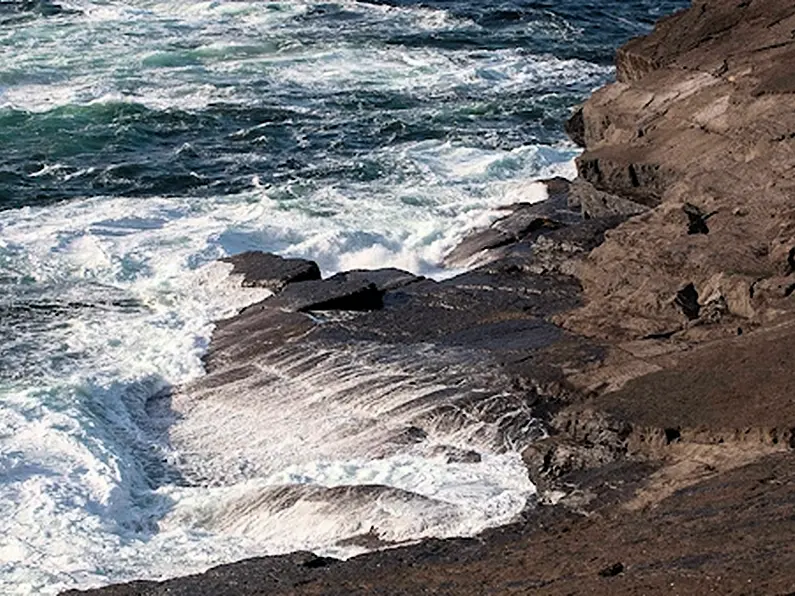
x: 272, y: 272
x: 634, y: 333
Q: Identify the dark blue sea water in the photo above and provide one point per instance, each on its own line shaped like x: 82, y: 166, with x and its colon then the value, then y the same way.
x: 164, y: 100
x: 142, y: 140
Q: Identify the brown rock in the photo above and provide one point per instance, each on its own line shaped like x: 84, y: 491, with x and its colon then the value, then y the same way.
x: 595, y: 203
x: 702, y: 117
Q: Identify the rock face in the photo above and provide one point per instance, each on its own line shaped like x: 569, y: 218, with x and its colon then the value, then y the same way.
x: 635, y: 332
x: 702, y: 119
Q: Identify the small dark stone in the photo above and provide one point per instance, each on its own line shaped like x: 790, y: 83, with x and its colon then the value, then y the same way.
x: 412, y: 434
x: 456, y: 455
x: 612, y: 570
x: 696, y: 219
x: 464, y: 457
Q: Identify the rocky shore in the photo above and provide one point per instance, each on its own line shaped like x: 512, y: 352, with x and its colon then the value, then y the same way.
x: 635, y: 333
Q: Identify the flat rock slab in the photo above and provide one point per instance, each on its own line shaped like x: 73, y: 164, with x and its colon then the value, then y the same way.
x: 272, y: 272
x: 738, y: 384
x: 348, y: 291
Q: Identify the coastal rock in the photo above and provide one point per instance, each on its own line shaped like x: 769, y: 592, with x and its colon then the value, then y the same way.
x: 701, y: 539
x: 621, y: 173
x: 272, y: 272
x: 548, y: 236
x: 525, y: 223
x: 405, y: 361
x: 640, y: 358
x: 332, y: 294
x: 699, y: 128
x: 575, y: 127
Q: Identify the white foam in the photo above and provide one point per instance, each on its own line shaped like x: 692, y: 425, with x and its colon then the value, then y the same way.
x: 423, y: 71
x: 440, y: 500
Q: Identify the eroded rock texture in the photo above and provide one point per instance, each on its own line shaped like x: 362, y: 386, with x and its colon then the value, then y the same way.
x: 700, y: 126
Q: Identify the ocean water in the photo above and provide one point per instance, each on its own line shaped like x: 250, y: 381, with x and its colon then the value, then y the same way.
x: 143, y: 140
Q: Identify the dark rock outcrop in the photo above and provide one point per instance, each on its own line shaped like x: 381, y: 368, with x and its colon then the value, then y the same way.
x: 272, y: 272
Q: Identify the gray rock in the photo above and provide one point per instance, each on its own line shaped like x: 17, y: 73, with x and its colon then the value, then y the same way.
x: 264, y: 270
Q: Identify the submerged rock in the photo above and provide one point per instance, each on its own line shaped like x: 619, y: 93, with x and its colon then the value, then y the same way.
x: 13, y: 11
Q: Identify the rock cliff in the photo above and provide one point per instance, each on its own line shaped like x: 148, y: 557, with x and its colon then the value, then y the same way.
x: 701, y: 126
